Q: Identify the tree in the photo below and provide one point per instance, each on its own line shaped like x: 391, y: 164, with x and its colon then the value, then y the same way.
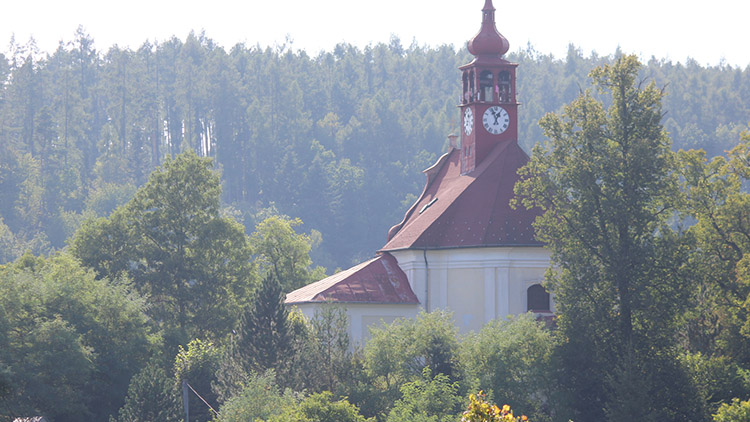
x: 258, y: 399
x: 738, y: 411
x: 480, y: 410
x: 71, y: 341
x: 52, y: 367
x: 192, y: 264
x: 427, y: 400
x: 152, y: 396
x: 320, y: 407
x: 326, y: 359
x: 606, y: 185
x: 397, y: 353
x: 512, y: 360
x: 263, y: 339
x: 284, y: 253
x: 721, y: 323
x: 401, y: 350
x: 197, y: 366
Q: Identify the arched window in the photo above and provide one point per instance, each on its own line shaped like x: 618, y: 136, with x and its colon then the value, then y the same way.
x: 471, y: 87
x: 537, y: 299
x: 504, y: 86
x: 485, y: 86
x: 466, y: 95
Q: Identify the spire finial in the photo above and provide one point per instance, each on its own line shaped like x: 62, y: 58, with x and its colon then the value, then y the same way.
x: 488, y: 42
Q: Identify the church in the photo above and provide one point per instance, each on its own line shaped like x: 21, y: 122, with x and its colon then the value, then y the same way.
x: 461, y: 246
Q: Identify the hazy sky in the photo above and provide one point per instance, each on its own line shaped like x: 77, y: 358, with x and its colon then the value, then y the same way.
x: 706, y: 31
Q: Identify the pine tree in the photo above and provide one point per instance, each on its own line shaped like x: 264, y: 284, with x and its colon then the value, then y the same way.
x: 263, y: 335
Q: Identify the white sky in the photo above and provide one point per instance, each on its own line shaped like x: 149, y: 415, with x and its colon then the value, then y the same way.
x: 709, y: 32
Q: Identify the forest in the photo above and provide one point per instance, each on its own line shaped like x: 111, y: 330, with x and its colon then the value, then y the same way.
x: 337, y: 140
x: 157, y: 204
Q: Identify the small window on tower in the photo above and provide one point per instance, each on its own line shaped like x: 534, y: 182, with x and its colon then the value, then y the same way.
x: 503, y: 86
x: 466, y: 97
x: 472, y: 95
x: 485, y: 84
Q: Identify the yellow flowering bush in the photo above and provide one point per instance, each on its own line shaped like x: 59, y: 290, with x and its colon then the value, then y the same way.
x: 480, y: 410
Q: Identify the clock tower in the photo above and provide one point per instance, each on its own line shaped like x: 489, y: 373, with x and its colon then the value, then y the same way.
x: 489, y: 111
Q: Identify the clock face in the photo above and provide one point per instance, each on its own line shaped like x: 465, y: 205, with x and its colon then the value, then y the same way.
x: 468, y: 121
x: 495, y: 120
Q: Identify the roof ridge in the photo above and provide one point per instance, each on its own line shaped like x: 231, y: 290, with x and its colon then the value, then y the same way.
x: 431, y: 173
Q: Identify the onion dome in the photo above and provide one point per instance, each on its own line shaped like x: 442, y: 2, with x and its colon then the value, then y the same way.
x: 488, y: 42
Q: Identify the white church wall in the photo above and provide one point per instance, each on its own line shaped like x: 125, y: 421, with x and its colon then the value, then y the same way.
x: 476, y: 284
x: 361, y: 316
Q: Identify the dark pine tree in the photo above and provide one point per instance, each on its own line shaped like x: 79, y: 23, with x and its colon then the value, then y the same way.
x: 264, y: 334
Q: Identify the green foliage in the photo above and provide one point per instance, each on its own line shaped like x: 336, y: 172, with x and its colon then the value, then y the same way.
x: 192, y: 264
x: 324, y: 137
x: 715, y: 197
x: 258, y: 399
x: 9, y: 247
x: 71, y: 342
x: 263, y: 340
x: 284, y: 253
x: 606, y: 183
x: 401, y: 350
x: 717, y: 378
x: 427, y: 400
x: 152, y: 396
x: 738, y: 411
x: 327, y: 138
x: 320, y: 407
x: 397, y: 353
x: 55, y: 365
x: 324, y: 360
x: 512, y: 360
x: 107, y: 197
x: 197, y: 365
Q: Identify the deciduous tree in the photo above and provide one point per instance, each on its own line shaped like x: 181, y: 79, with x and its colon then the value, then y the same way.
x: 192, y: 264
x: 606, y: 184
x: 721, y: 323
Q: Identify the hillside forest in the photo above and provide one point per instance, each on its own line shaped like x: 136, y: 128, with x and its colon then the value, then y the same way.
x: 156, y: 205
x: 338, y: 140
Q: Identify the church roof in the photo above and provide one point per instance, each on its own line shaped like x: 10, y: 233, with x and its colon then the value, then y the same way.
x: 469, y: 210
x: 379, y: 280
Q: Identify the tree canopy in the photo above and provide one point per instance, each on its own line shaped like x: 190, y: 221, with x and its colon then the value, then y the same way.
x: 192, y: 264
x: 606, y: 183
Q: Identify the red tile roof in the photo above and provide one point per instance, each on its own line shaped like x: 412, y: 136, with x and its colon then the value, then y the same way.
x: 379, y: 280
x: 470, y: 210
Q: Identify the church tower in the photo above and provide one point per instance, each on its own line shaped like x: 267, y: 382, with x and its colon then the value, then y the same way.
x: 461, y: 246
x: 489, y: 110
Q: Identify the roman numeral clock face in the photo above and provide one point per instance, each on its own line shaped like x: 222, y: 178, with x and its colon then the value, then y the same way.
x: 468, y: 121
x: 496, y: 120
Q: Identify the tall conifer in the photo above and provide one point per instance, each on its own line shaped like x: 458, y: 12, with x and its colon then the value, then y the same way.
x: 263, y: 336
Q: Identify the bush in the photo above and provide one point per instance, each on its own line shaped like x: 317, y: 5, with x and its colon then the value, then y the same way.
x: 480, y: 410
x: 738, y: 411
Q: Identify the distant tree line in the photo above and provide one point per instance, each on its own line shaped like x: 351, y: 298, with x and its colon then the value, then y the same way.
x: 337, y: 140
